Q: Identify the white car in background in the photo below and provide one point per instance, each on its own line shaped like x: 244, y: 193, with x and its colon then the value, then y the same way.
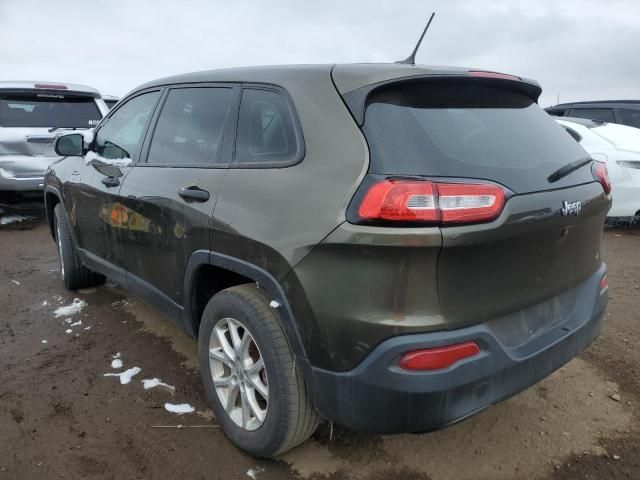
x: 32, y: 116
x: 619, y: 147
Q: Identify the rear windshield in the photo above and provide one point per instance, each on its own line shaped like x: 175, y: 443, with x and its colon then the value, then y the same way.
x: 468, y: 130
x: 47, y: 110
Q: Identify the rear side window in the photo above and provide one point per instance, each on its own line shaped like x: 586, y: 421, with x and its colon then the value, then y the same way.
x: 629, y: 117
x: 463, y: 129
x: 190, y: 127
x: 599, y: 114
x: 558, y: 112
x: 266, y: 130
x: 122, y: 134
x: 43, y: 109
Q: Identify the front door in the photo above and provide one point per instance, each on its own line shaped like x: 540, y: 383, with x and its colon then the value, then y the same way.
x: 99, y: 217
x: 172, y: 191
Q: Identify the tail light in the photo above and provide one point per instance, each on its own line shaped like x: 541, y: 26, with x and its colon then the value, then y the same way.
x: 602, y: 175
x: 438, y: 358
x: 424, y: 201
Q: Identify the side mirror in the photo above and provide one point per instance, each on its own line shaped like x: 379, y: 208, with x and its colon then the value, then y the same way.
x: 71, y: 145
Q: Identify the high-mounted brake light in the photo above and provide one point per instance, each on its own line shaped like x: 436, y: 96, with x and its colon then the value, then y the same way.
x: 51, y: 86
x: 602, y: 175
x: 438, y: 358
x: 485, y: 74
x: 423, y: 201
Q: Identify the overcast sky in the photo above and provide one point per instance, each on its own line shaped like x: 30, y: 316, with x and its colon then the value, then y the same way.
x: 579, y: 49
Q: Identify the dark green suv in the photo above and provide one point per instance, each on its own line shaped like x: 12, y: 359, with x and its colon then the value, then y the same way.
x: 391, y: 247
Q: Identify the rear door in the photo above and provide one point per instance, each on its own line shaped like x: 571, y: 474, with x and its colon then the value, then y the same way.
x: 463, y: 131
x: 169, y: 196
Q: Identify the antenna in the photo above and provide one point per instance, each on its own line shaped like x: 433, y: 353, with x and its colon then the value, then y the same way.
x: 411, y: 59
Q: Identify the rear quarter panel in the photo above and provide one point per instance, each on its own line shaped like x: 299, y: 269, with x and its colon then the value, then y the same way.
x: 273, y: 217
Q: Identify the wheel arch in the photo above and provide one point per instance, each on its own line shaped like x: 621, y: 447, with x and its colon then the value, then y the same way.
x: 248, y: 273
x: 52, y: 197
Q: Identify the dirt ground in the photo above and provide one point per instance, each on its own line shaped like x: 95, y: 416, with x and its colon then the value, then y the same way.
x: 60, y: 417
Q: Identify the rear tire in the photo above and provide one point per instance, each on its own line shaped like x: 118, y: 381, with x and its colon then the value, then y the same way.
x: 74, y: 274
x: 290, y: 417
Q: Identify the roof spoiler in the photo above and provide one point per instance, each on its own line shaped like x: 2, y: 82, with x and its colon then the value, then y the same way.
x: 356, y: 99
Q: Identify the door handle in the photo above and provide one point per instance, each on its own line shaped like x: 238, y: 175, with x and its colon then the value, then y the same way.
x: 110, y: 182
x: 194, y: 194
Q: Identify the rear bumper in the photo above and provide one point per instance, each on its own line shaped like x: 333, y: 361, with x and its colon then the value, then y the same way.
x: 379, y: 397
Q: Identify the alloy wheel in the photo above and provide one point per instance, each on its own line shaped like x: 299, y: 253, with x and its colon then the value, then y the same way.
x: 239, y: 373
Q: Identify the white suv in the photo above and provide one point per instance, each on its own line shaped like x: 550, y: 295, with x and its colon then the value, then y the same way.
x: 32, y: 115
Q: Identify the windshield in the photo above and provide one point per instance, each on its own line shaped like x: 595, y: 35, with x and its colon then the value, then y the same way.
x: 463, y: 129
x: 48, y: 110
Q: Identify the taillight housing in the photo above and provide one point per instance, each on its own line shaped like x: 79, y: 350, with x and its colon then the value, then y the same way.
x: 409, y: 200
x: 601, y: 173
x: 438, y: 358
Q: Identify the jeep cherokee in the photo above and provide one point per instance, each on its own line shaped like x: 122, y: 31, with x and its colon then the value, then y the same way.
x: 391, y: 247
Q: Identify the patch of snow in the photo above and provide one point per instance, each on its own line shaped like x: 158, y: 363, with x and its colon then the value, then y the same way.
x: 117, y: 355
x: 155, y: 382
x: 45, y: 303
x: 15, y: 281
x: 179, y: 409
x: 43, y: 341
x: 116, y: 363
x: 87, y: 327
x: 126, y: 376
x: 68, y: 330
x: 253, y: 472
x: 274, y: 304
x: 72, y: 309
x: 116, y: 162
x: 8, y: 219
x: 75, y: 324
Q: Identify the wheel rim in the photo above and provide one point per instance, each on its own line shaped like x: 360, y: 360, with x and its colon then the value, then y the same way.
x: 239, y: 374
x: 60, y: 252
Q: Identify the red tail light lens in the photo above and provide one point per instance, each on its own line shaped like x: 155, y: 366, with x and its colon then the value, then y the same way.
x: 438, y: 358
x: 414, y: 200
x: 602, y: 175
x: 400, y: 200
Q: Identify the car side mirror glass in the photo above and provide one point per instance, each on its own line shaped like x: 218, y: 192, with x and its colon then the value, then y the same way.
x: 71, y: 145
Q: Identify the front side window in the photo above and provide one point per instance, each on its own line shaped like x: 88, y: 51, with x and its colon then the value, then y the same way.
x: 122, y: 134
x: 266, y: 129
x: 43, y: 109
x: 598, y: 114
x: 190, y: 126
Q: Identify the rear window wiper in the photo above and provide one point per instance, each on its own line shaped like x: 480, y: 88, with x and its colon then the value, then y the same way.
x: 53, y: 129
x: 568, y: 168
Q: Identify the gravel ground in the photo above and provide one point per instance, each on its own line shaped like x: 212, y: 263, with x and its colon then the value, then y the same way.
x: 60, y: 417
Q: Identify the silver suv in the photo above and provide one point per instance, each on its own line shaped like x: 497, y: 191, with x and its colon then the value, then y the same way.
x: 32, y: 115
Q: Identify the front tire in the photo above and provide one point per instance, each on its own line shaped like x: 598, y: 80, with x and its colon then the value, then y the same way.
x: 250, y: 377
x: 74, y: 274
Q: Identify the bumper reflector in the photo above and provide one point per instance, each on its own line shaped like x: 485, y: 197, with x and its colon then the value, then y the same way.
x: 604, y: 285
x: 438, y: 358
